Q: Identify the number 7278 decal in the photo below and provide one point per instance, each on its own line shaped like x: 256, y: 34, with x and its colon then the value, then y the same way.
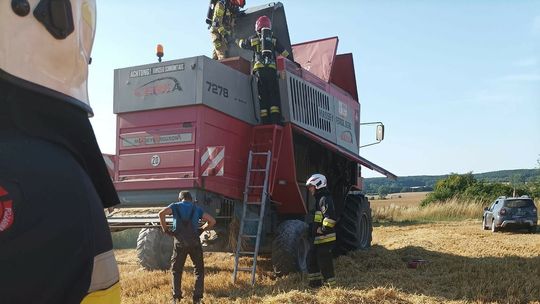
x: 217, y: 89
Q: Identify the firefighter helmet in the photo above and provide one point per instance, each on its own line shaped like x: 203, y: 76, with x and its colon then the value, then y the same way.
x: 45, y: 46
x: 239, y: 3
x: 317, y: 180
x: 263, y: 22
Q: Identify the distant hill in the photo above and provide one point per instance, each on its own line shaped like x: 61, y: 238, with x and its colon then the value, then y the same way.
x: 427, y: 182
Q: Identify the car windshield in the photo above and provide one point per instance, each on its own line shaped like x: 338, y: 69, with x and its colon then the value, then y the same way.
x: 518, y: 203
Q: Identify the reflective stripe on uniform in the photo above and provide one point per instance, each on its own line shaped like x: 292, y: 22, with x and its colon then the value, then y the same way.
x: 274, y: 109
x: 105, y: 272
x: 264, y: 113
x: 321, y: 239
x: 314, y: 276
x: 255, y: 41
x: 331, y: 282
x: 328, y: 222
x: 258, y: 65
x: 221, y: 30
x: 285, y: 53
x: 110, y: 295
x: 318, y: 217
x: 220, y: 10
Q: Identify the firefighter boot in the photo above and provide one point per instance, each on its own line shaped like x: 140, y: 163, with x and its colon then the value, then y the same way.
x: 275, y: 118
x: 315, y: 280
x: 265, y: 119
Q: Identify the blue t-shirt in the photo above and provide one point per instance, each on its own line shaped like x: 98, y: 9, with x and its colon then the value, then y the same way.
x: 181, y: 211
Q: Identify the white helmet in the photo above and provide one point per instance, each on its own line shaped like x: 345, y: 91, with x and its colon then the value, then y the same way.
x: 45, y: 46
x: 317, y: 180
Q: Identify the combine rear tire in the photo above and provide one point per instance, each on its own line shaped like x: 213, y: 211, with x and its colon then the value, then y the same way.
x: 355, y: 226
x: 154, y: 249
x: 290, y: 248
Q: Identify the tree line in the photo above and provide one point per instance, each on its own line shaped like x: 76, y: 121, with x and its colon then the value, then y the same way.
x: 483, y: 184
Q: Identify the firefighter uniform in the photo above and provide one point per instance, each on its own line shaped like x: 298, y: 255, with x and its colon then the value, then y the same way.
x: 265, y: 46
x: 320, y: 263
x: 55, y: 244
x: 221, y: 26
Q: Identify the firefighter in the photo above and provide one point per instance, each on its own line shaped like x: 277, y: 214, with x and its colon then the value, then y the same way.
x: 221, y: 16
x: 322, y: 223
x: 55, y: 244
x: 265, y: 46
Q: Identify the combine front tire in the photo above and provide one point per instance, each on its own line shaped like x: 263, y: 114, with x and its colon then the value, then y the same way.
x: 290, y: 247
x: 154, y: 249
x: 355, y: 226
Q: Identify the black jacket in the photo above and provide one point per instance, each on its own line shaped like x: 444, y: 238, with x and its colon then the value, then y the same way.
x: 324, y: 217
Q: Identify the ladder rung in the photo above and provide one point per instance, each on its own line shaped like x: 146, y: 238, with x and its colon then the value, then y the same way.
x: 258, y: 187
x: 259, y: 153
x: 246, y: 252
x: 253, y: 203
x: 249, y: 235
x: 245, y: 269
x: 258, y: 170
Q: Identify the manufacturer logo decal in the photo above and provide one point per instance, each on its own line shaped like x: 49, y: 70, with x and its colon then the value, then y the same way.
x: 346, y: 136
x: 155, y: 160
x: 6, y: 210
x: 158, y: 87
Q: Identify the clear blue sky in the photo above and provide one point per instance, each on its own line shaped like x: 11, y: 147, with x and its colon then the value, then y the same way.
x: 456, y: 83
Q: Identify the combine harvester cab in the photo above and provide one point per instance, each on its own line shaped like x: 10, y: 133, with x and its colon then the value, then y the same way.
x: 192, y: 124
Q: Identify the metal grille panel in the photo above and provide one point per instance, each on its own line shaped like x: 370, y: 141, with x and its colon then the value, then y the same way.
x: 310, y: 106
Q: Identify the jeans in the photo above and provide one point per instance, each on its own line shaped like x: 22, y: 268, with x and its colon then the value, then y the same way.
x: 178, y: 260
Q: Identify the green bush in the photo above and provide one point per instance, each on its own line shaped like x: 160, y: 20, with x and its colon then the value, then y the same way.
x: 466, y: 187
x: 450, y: 187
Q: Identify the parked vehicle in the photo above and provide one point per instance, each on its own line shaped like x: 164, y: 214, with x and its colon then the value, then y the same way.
x: 511, y: 212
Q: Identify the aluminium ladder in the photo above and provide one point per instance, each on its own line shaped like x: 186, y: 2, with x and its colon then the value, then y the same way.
x: 262, y: 193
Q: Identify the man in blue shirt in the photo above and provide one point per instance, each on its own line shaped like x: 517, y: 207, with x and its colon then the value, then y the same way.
x: 186, y: 218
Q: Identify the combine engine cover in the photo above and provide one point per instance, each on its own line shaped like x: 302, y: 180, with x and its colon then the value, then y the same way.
x: 191, y: 81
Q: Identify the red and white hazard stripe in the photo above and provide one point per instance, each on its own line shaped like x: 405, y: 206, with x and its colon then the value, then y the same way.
x: 213, y: 161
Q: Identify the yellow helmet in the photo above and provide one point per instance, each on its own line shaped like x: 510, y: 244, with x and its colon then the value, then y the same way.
x: 45, y: 46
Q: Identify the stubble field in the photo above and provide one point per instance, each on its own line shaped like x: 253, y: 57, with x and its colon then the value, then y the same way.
x: 465, y: 264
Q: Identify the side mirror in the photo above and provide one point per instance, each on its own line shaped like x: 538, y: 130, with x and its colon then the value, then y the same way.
x: 379, y: 132
x: 379, y: 136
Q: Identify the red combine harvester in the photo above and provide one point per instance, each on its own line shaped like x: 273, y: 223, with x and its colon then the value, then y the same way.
x: 192, y: 124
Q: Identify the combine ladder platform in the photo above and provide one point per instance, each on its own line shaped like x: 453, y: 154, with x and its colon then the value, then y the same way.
x: 261, y: 203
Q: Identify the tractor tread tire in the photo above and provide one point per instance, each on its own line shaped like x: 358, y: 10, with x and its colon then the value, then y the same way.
x: 154, y: 249
x: 355, y: 218
x: 290, y: 247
